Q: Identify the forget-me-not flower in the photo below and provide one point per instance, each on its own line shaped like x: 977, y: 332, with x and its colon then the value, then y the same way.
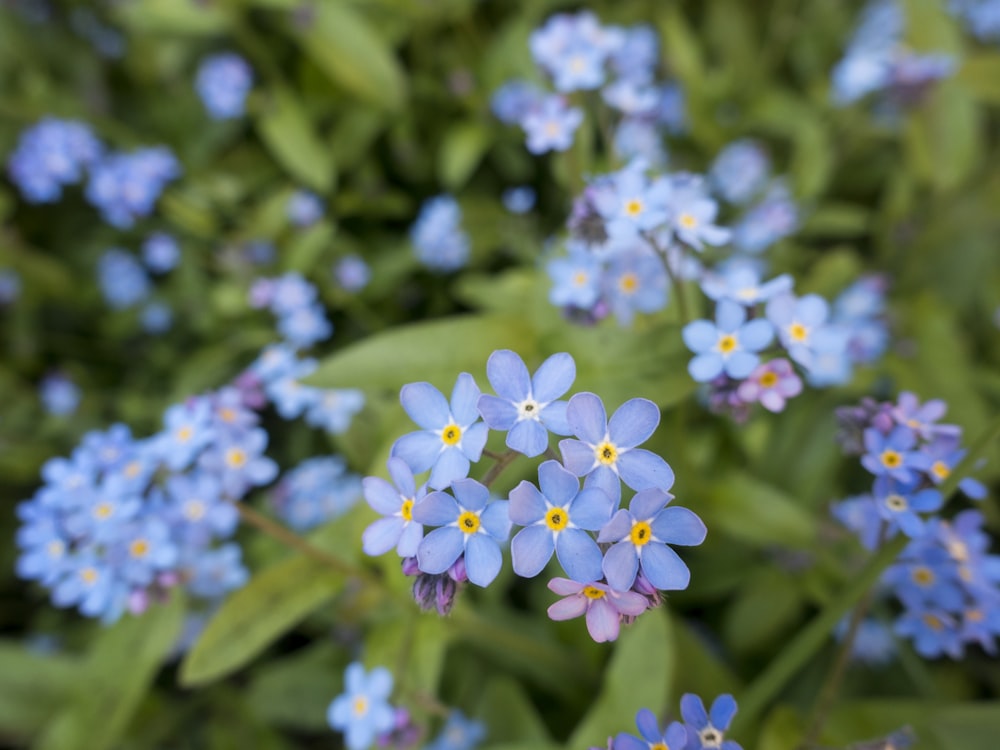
x: 730, y: 345
x: 362, y: 711
x: 672, y: 737
x: 397, y: 528
x: 707, y: 730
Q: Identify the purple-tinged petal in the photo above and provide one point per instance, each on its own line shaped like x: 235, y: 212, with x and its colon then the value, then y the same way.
x: 439, y: 549
x: 531, y: 549
x: 633, y: 423
x: 528, y: 437
x: 553, y: 416
x: 647, y: 503
x: 587, y: 417
x: 497, y: 413
x: 474, y: 440
x: 436, y: 509
x: 464, y: 398
x: 664, y: 568
x: 591, y: 509
x: 578, y: 554
x: 617, y: 528
x: 381, y: 496
x: 578, y: 457
x: 402, y: 475
x: 621, y: 563
x: 705, y: 367
x: 470, y: 494
x: 418, y: 449
x: 603, y: 621
x: 641, y: 469
x: 676, y: 525
x: 425, y: 405
x: 630, y: 603
x: 700, y: 336
x: 496, y: 519
x: 756, y: 334
x: 527, y: 505
x: 508, y: 375
x: 557, y: 484
x: 482, y: 559
x: 693, y: 711
x: 451, y: 465
x: 553, y: 377
x: 722, y: 712
x: 564, y: 586
x: 566, y: 609
x: 382, y: 535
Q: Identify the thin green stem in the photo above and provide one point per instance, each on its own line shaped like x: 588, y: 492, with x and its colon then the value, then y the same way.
x: 675, y: 281
x: 496, y: 469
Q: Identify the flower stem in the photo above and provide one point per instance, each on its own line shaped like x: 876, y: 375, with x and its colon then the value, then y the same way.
x: 675, y: 281
x: 503, y: 461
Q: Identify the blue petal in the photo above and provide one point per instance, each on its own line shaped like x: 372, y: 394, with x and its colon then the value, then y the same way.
x: 729, y: 315
x: 497, y: 413
x: 439, y: 549
x: 617, y: 528
x: 482, y: 559
x: 528, y: 437
x: 676, y: 735
x: 693, y: 711
x: 418, y: 449
x: 354, y: 678
x: 664, y: 568
x: 739, y: 365
x: 527, y: 505
x: 633, y: 423
x: 579, y: 554
x: 648, y: 727
x: 605, y: 479
x: 700, y: 336
x: 508, y: 375
x: 591, y: 509
x: 641, y: 469
x: 621, y: 563
x: 464, y: 398
x: 628, y: 742
x: 426, y: 406
x: 676, y: 525
x: 705, y: 367
x: 781, y: 310
x: 402, y: 476
x: 557, y: 484
x: 756, y: 334
x: 553, y: 378
x: 553, y: 416
x: 530, y: 551
x: 811, y: 310
x: 451, y: 465
x: 409, y: 540
x: 382, y: 535
x: 577, y: 457
x: 339, y: 713
x: 722, y: 711
x: 436, y: 509
x: 648, y: 503
x: 496, y: 519
x: 471, y: 494
x: 381, y: 496
x: 474, y: 440
x: 587, y: 417
x: 379, y: 683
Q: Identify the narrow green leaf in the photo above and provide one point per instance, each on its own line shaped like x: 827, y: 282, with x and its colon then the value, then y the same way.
x: 288, y: 134
x: 509, y: 714
x: 639, y: 675
x: 170, y: 16
x: 980, y: 76
x: 33, y: 688
x: 747, y: 508
x: 765, y: 607
x: 462, y: 149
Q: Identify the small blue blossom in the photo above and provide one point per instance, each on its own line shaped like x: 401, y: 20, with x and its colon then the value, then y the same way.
x: 317, y: 490
x: 519, y: 200
x: 639, y: 138
x: 775, y: 217
x: 551, y: 125
x: 304, y: 208
x: 395, y: 502
x: 352, y: 273
x: 60, y: 395
x: 730, y: 345
x: 223, y: 82
x: 527, y: 407
x: 706, y: 730
x: 470, y: 525
x: 239, y: 462
x: 890, y: 455
x: 635, y: 282
x: 512, y: 101
x: 10, y: 286
x: 674, y: 735
x: 187, y: 429
x: 899, y: 504
x: 197, y: 509
x: 335, y: 409
x: 125, y: 187
x: 458, y: 733
x: 741, y: 283
x: 631, y: 204
x: 692, y: 219
x: 156, y: 318
x: 575, y: 280
x: 437, y: 236
x: 51, y: 154
x: 740, y: 171
x: 122, y: 279
x: 802, y: 327
x: 362, y: 711
x: 937, y: 459
x: 160, y: 252
x: 452, y: 434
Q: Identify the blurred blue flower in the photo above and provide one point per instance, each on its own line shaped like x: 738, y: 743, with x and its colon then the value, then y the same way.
x: 575, y: 280
x: 891, y: 454
x: 674, y: 735
x: 122, y: 279
x: 316, y: 491
x: 729, y: 345
x: 125, y: 187
x: 51, y: 154
x: 352, y: 273
x: 635, y: 282
x: 458, y: 733
x: 519, y: 200
x: 740, y: 171
x: 437, y: 236
x: 551, y: 125
x: 160, y: 252
x: 304, y: 208
x: 774, y: 217
x: 60, y: 395
x: 10, y: 286
x: 512, y: 101
x: 223, y: 81
x: 362, y: 711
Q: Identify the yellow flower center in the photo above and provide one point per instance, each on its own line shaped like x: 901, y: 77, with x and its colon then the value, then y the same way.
x: 580, y: 278
x: 688, y: 221
x: 184, y: 434
x: 633, y: 207
x: 641, y: 533
x: 890, y: 458
x: 360, y: 706
x: 139, y: 548
x: 896, y: 503
x: 556, y: 519
x: 628, y: 283
x: 940, y: 469
x: 798, y: 332
x: 727, y: 343
x: 227, y: 415
x: 468, y: 522
x: 606, y: 453
x: 103, y: 511
x: 592, y: 592
x: 922, y: 576
x: 451, y: 435
x: 974, y: 615
x: 659, y: 746
x: 406, y: 510
x: 56, y: 548
x: 768, y: 380
x: 552, y: 128
x: 194, y: 510
x: 958, y: 551
x: 133, y: 469
x: 89, y: 576
x: 236, y: 458
x: 932, y: 621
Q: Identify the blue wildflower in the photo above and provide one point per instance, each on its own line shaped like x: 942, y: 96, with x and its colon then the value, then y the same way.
x: 122, y: 279
x: 672, y: 737
x: 635, y: 282
x: 335, y: 409
x: 556, y: 519
x: 223, y: 82
x: 304, y: 208
x: 362, y: 711
x: 575, y: 280
x: 214, y: 573
x: 639, y: 537
x: 638, y: 138
x: 512, y: 101
x: 397, y: 529
x: 437, y: 236
x: 352, y: 273
x: 934, y: 632
x: 90, y: 584
x: 156, y: 318
x: 937, y: 459
x: 891, y: 455
x: 452, y: 434
x: 60, y: 395
x: 239, y: 462
x: 741, y: 283
x: 775, y: 217
x: 519, y: 200
x: 187, y: 429
x: 125, y: 187
x: 197, y: 510
x: 469, y: 524
x: 551, y: 125
x: 305, y: 326
x: 630, y: 204
x: 636, y: 56
x: 730, y: 345
x: 692, y: 218
x: 740, y: 171
x: 801, y: 326
x: 160, y: 252
x: 527, y: 407
x: 317, y: 490
x: 899, y: 504
x: 707, y: 730
x: 458, y: 733
x: 51, y: 154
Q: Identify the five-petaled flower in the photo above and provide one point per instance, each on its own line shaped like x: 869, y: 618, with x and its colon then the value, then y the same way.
x: 397, y: 528
x: 362, y: 711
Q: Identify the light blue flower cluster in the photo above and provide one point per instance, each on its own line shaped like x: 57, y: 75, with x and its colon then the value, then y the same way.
x: 947, y: 582
x: 302, y: 321
x: 437, y: 235
x: 123, y: 520
x: 60, y: 395
x: 982, y: 17
x: 617, y: 559
x: 316, y: 491
x: 124, y: 187
x: 51, y: 154
x: 365, y: 716
x: 223, y: 81
x: 877, y: 62
x: 304, y: 208
x: 701, y: 729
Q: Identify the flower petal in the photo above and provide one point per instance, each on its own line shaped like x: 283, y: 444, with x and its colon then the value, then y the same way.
x: 553, y: 416
x: 564, y: 586
x: 470, y: 494
x: 464, y: 398
x: 756, y: 334
x: 379, y: 683
x: 729, y: 315
x: 578, y: 457
x: 528, y: 437
x: 633, y: 423
x: 409, y: 540
x: 587, y: 417
x: 578, y: 554
x: 425, y: 405
x: 664, y: 568
x: 497, y: 413
x: 402, y: 476
x: 439, y: 549
x: 482, y: 559
x: 508, y: 375
x: 700, y: 336
x: 621, y: 563
x: 676, y: 525
x: 590, y: 509
x: 382, y: 535
x: 558, y: 485
x: 648, y: 727
x: 553, y: 377
x: 474, y: 440
x: 450, y: 466
x: 527, y: 505
x: 693, y: 711
x: 641, y: 469
x: 722, y: 712
x: 380, y: 495
x: 496, y: 519
x: 705, y: 367
x: 420, y: 450
x: 617, y: 528
x: 648, y: 503
x: 531, y: 549
x: 603, y: 622
x: 739, y: 365
x: 568, y: 608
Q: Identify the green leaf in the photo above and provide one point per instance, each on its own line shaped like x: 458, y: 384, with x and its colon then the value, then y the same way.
x: 747, y: 508
x: 251, y: 619
x: 766, y: 605
x: 462, y: 149
x: 172, y: 17
x: 296, y: 690
x: 639, y: 675
x: 943, y: 138
x: 117, y: 673
x: 435, y: 351
x: 33, y: 688
x: 353, y: 54
x: 980, y: 76
x: 288, y: 134
x: 509, y: 714
x: 937, y: 725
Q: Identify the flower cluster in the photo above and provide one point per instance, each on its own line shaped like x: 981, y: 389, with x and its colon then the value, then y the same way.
x: 877, y: 62
x: 617, y: 559
x: 223, y: 82
x: 947, y: 582
x: 437, y: 235
x: 317, y: 490
x: 301, y: 319
x: 365, y: 716
x: 700, y: 729
x: 51, y: 154
x: 124, y: 187
x: 125, y: 282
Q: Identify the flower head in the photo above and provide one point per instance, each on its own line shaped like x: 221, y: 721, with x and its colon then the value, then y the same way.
x: 362, y: 711
x: 729, y: 345
x: 672, y: 737
x: 395, y: 502
x: 604, y: 608
x: 223, y: 82
x: 707, y: 730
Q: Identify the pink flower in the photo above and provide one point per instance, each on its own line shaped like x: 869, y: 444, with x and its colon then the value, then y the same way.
x: 604, y: 608
x: 771, y: 383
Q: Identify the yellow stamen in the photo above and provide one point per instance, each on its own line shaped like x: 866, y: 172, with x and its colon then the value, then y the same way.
x: 451, y: 434
x: 468, y: 522
x: 406, y: 510
x: 606, y: 453
x: 556, y: 519
x: 641, y: 533
x: 592, y: 592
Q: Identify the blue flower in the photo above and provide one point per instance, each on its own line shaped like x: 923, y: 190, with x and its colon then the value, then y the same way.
x: 800, y: 323
x: 899, y: 504
x: 160, y: 252
x: 362, y: 711
x: 639, y: 537
x: 673, y: 737
x: 397, y: 529
x: 239, y: 462
x: 693, y: 220
x: 452, y: 434
x: 187, y: 430
x: 352, y: 273
x: 526, y: 407
x: 934, y: 632
x: 740, y: 171
x: 49, y: 155
x: 59, y: 395
x: 122, y: 279
x: 635, y: 281
x: 729, y: 346
x: 891, y: 454
x: 706, y: 731
x: 470, y: 525
x: 631, y: 204
x: 606, y: 451
x: 937, y: 459
x: 550, y: 126
x: 776, y: 216
x: 91, y: 585
x: 304, y: 208
x: 557, y: 519
x: 197, y: 510
x: 335, y: 409
x: 223, y: 82
x: 512, y: 101
x: 437, y: 236
x: 458, y: 733
x: 575, y: 280
x: 214, y: 573
x: 315, y: 491
x: 740, y: 282
x: 519, y: 200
